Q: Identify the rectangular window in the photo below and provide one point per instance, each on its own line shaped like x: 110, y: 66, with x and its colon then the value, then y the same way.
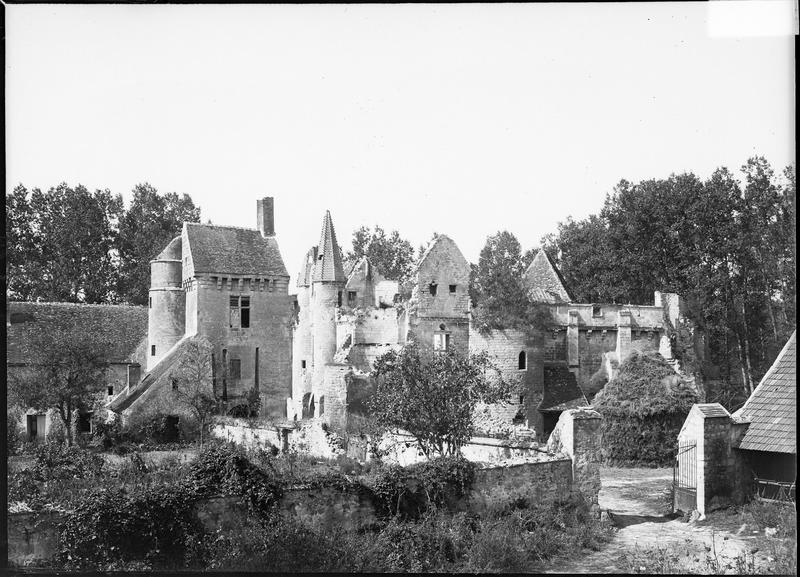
x: 152, y: 350
x: 245, y: 315
x: 432, y: 289
x: 351, y: 298
x: 303, y: 364
x: 151, y: 302
x: 110, y: 390
x: 174, y: 383
x: 441, y: 341
x: 339, y: 299
x: 597, y: 311
x: 452, y: 289
x: 235, y: 371
x: 240, y: 312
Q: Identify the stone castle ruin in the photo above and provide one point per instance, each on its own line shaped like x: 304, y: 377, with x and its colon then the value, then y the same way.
x: 310, y: 356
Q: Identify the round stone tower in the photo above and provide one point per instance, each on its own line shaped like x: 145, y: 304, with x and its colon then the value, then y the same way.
x: 328, y: 282
x: 167, y: 302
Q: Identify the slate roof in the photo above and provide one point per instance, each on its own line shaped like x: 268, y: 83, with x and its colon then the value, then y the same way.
x: 772, y: 408
x: 122, y: 327
x: 328, y: 266
x: 227, y: 249
x: 544, y: 274
x: 153, y: 379
x: 561, y: 390
x: 172, y: 251
x: 307, y: 268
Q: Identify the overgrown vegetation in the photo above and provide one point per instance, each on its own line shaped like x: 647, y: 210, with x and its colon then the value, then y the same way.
x: 137, y: 515
x: 433, y: 394
x: 643, y: 410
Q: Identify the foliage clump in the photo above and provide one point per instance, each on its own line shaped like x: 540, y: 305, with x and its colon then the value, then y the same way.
x: 643, y: 410
x: 433, y: 394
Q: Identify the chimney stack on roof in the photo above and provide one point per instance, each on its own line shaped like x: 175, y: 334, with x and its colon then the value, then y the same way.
x: 266, y: 216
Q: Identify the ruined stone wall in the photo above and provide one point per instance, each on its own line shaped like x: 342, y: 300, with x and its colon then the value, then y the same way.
x: 270, y: 331
x: 641, y: 315
x: 324, y: 301
x: 376, y: 326
x: 302, y: 352
x: 504, y: 348
x: 331, y: 401
x: 592, y: 343
x: 577, y: 435
x: 362, y: 357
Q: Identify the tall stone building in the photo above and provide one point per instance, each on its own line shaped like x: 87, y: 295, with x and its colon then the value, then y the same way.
x: 230, y: 286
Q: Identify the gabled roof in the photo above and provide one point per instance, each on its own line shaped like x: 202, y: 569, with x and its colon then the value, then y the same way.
x: 307, y: 268
x: 440, y: 244
x: 544, y: 274
x: 328, y: 266
x: 231, y: 250
x: 772, y: 408
x: 122, y: 327
x: 561, y: 390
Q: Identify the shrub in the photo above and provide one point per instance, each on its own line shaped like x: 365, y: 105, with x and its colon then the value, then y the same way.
x: 642, y: 412
x: 225, y: 469
x: 54, y: 462
x: 154, y: 525
x: 409, y: 491
x: 14, y: 434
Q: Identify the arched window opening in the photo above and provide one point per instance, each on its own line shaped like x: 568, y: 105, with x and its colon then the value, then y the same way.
x: 523, y: 361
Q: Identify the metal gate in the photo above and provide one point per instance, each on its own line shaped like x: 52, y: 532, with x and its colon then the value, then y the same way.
x: 684, y: 477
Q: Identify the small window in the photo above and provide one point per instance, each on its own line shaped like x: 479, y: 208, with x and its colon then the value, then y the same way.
x: 452, y: 289
x: 521, y: 399
x: 322, y: 405
x: 85, y: 422
x: 151, y: 302
x: 245, y: 313
x: 152, y: 350
x: 523, y: 361
x: 110, y: 390
x: 235, y: 369
x: 432, y: 289
x: 321, y: 256
x: 303, y: 364
x: 174, y: 383
x: 351, y: 298
x: 597, y: 311
x: 441, y: 341
x: 339, y: 299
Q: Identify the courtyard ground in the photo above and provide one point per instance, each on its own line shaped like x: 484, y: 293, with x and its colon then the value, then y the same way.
x: 638, y: 505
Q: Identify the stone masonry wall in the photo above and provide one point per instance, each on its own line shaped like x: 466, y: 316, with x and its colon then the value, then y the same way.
x: 577, y: 435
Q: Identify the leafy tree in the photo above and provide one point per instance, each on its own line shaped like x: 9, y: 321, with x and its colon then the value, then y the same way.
x: 433, y: 395
x: 61, y: 244
x: 391, y: 254
x: 192, y: 382
x: 145, y: 229
x: 67, y: 372
x: 498, y: 289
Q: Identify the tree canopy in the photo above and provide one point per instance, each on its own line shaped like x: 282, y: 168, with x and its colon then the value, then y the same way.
x: 72, y: 245
x: 433, y: 395
x: 727, y: 246
x: 497, y: 288
x: 67, y: 371
x: 390, y: 254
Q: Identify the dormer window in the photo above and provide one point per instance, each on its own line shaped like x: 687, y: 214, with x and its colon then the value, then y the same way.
x: 597, y: 311
x: 432, y: 289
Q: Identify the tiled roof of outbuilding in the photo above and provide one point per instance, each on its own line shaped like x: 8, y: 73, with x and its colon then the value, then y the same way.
x: 226, y: 249
x: 544, y: 274
x: 328, y: 266
x: 122, y: 327
x: 772, y: 408
x: 711, y: 410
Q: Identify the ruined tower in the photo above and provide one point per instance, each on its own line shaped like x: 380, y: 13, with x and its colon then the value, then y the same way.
x: 328, y: 282
x: 167, y: 302
x: 303, y: 341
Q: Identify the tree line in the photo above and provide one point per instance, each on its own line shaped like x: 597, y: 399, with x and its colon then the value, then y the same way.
x: 726, y: 246
x: 72, y: 245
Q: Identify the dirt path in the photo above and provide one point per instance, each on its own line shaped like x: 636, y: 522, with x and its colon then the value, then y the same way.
x: 638, y: 507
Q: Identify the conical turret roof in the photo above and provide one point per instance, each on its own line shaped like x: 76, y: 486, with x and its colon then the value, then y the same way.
x: 328, y: 266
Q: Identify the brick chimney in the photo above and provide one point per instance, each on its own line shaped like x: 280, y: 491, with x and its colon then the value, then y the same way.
x: 266, y: 216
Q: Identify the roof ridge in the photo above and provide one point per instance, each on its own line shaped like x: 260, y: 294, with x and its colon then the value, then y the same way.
x: 63, y: 303
x: 224, y: 226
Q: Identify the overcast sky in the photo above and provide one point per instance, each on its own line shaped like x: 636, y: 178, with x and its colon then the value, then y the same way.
x: 461, y: 119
